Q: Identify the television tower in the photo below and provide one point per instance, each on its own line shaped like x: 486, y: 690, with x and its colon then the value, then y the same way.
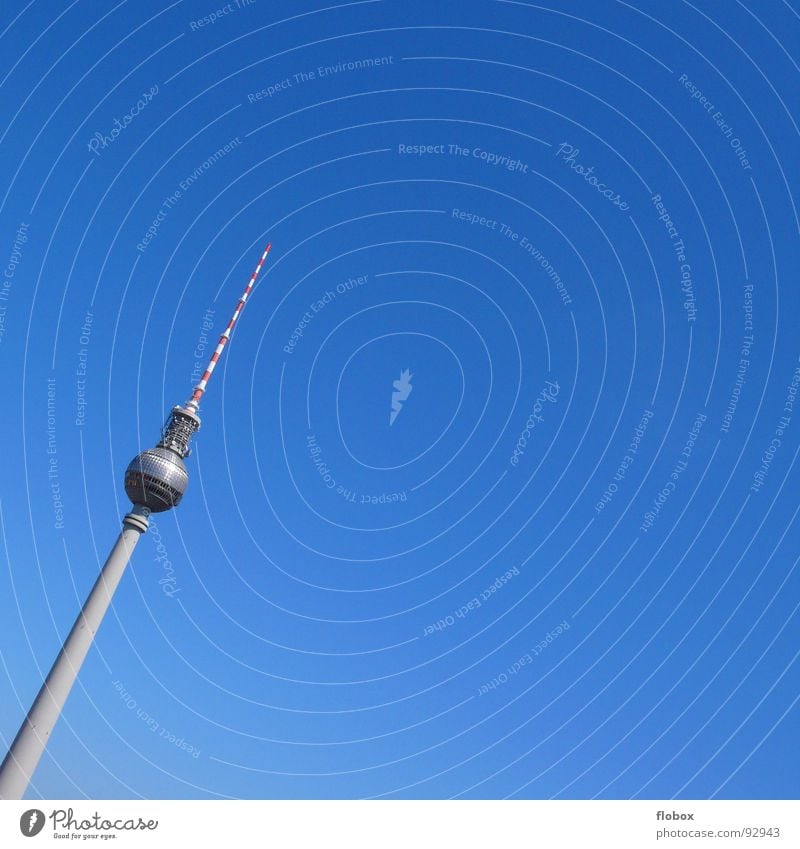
x: 154, y: 481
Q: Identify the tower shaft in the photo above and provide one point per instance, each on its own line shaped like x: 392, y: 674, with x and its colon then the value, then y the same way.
x: 34, y: 734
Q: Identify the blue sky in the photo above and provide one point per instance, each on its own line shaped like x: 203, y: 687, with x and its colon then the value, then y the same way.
x: 567, y: 567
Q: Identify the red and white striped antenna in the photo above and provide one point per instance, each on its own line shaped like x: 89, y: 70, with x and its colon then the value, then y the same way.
x: 194, y: 402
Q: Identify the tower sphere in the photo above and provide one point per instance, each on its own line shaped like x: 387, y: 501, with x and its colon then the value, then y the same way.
x: 156, y: 479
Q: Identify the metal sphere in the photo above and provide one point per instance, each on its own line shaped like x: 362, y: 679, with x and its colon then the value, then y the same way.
x: 156, y: 479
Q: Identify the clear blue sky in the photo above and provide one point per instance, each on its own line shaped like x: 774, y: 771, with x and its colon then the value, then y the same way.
x: 567, y: 567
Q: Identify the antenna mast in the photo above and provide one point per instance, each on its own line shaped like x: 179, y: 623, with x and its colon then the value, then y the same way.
x: 184, y: 420
x: 194, y: 401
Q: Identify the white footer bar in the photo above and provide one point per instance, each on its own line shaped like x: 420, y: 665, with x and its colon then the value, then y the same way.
x: 406, y: 824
